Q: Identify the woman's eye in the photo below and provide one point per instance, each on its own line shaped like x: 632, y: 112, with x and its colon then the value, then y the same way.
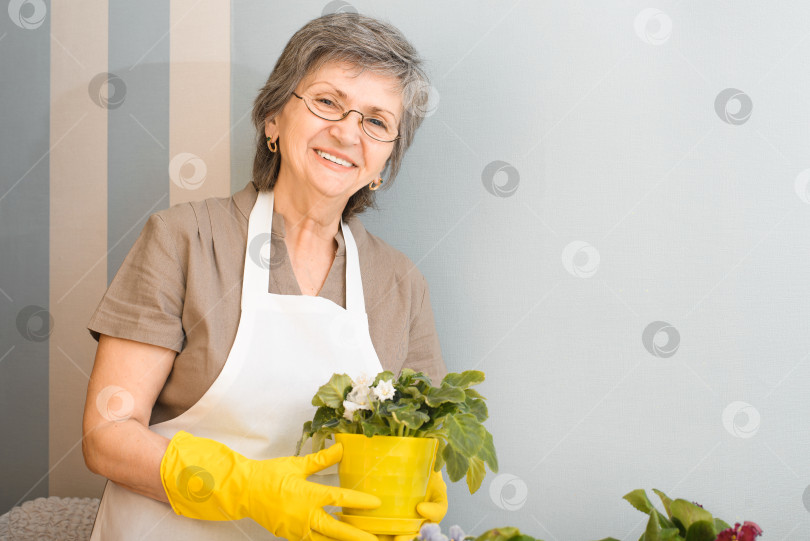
x: 327, y: 102
x: 379, y: 123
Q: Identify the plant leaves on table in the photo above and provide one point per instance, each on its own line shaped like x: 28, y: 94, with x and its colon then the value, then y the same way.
x: 688, y: 513
x: 702, y: 530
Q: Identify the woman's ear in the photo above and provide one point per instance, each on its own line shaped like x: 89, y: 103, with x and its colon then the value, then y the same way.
x: 270, y: 128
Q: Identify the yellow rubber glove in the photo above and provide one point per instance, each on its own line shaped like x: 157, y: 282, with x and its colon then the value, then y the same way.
x: 434, y: 508
x: 204, y: 479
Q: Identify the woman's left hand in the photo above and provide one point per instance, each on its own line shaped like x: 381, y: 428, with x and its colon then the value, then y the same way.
x: 434, y: 508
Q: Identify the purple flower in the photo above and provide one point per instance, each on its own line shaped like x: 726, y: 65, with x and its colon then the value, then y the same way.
x: 747, y: 532
x: 456, y: 533
x: 431, y: 531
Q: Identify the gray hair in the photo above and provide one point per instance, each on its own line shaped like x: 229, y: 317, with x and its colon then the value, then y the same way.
x: 364, y: 42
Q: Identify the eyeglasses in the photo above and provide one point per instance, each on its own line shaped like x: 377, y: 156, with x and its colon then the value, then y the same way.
x: 326, y: 106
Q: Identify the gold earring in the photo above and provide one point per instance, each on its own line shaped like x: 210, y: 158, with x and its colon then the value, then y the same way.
x: 272, y: 145
x: 375, y: 184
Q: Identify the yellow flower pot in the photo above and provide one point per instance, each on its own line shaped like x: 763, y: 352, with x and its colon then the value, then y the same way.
x: 395, y: 469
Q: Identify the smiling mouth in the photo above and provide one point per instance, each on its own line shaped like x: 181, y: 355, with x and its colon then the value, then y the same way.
x: 334, y: 159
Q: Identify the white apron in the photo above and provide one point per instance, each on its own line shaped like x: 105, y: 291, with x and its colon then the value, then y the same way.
x: 286, y: 346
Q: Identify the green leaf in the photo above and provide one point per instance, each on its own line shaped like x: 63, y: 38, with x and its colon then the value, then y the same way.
x: 720, y: 525
x: 439, y: 463
x: 457, y: 463
x: 477, y: 407
x: 665, y: 500
x: 439, y: 395
x: 498, y: 534
x: 322, y: 418
x: 464, y: 379
x: 487, y: 453
x: 475, y: 475
x: 375, y: 426
x: 638, y: 499
x: 384, y: 376
x: 688, y: 513
x: 670, y: 534
x: 653, y: 531
x: 412, y: 418
x: 702, y: 530
x: 414, y: 393
x: 472, y: 393
x: 333, y: 392
x: 465, y: 434
x: 305, y: 435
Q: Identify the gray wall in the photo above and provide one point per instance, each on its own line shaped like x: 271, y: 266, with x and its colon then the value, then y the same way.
x: 634, y: 285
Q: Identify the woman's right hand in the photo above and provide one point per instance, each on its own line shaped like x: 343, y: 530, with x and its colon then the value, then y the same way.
x: 207, y: 480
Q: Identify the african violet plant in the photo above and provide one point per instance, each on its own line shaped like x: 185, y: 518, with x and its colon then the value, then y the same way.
x: 685, y: 521
x: 410, y: 406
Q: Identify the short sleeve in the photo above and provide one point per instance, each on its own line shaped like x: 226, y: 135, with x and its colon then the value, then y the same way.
x: 144, y: 301
x: 424, y: 351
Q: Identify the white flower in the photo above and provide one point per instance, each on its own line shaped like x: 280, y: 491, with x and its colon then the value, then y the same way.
x: 359, y: 395
x: 363, y: 380
x: 384, y: 390
x: 351, y: 407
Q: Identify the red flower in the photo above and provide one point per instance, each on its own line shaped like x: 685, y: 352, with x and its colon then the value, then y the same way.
x: 747, y: 532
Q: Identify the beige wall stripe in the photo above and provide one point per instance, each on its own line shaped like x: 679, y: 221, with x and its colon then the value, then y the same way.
x: 78, y: 228
x: 199, y: 100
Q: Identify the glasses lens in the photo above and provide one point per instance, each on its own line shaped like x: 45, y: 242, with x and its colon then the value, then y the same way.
x: 379, y: 128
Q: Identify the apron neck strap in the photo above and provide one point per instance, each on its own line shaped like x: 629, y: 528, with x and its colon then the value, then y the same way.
x: 258, y: 256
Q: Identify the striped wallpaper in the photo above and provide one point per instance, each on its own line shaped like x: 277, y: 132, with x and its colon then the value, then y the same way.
x: 139, y: 101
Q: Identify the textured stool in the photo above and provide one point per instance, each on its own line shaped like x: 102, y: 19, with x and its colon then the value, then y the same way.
x: 50, y: 519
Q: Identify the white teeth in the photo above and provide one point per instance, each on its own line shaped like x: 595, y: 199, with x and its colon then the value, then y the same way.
x: 333, y: 158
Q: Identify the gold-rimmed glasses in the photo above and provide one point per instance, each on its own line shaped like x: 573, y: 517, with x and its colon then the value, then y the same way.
x: 377, y: 126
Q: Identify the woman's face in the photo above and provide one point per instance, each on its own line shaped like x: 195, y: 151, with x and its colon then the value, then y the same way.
x: 302, y: 135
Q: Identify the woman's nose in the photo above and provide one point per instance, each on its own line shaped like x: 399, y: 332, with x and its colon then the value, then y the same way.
x: 349, y: 130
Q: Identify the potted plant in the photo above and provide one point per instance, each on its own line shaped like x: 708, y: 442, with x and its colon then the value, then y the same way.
x: 685, y: 520
x: 394, y: 431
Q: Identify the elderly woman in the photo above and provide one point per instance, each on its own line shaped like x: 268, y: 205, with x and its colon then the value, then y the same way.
x: 198, y: 393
